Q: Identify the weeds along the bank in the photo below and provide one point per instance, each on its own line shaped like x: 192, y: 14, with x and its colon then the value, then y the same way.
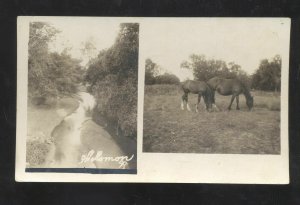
x: 117, y: 107
x: 113, y: 81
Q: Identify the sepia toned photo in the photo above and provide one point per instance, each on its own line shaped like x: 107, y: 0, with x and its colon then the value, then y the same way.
x: 82, y: 96
x: 213, y: 87
x: 155, y: 100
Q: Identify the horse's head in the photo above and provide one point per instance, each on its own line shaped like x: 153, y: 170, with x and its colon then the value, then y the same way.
x: 249, y: 102
x: 209, y: 107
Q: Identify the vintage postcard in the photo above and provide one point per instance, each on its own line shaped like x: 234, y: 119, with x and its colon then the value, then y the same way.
x: 179, y: 100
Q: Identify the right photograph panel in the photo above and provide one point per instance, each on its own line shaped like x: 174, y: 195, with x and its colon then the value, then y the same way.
x: 213, y: 87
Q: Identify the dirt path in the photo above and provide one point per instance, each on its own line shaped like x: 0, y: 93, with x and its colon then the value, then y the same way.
x: 80, y: 142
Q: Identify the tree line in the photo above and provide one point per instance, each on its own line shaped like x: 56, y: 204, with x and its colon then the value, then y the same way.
x: 267, y: 77
x: 153, y: 76
x: 50, y: 74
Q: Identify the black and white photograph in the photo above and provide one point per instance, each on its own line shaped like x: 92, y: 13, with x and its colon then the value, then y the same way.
x: 213, y: 87
x: 179, y: 100
x: 117, y: 102
x: 82, y: 96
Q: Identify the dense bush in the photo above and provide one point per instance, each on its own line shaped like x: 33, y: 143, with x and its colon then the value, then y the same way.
x: 167, y: 78
x: 152, y: 75
x: 113, y: 80
x: 151, y: 71
x: 268, y: 76
x: 203, y: 69
x: 50, y: 75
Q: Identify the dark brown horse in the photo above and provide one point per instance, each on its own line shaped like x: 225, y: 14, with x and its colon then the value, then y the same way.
x: 200, y: 88
x: 233, y: 87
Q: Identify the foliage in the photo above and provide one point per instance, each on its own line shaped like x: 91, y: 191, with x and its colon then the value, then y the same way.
x: 40, y: 34
x: 64, y: 72
x: 151, y: 71
x: 203, y: 69
x: 167, y: 78
x: 113, y: 79
x: 268, y: 75
x: 152, y: 75
x: 49, y: 74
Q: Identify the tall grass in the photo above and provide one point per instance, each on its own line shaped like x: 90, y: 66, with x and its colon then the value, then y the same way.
x: 163, y: 89
x: 267, y: 100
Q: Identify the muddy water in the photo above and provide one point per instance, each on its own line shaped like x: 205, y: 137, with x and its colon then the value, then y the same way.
x: 77, y: 140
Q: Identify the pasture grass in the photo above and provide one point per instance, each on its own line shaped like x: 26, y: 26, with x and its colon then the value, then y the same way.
x: 40, y: 122
x: 169, y: 129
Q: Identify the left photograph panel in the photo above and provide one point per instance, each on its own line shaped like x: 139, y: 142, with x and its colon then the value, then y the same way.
x: 80, y: 95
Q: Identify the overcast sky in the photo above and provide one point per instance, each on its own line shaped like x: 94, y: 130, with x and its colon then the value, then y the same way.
x: 242, y: 41
x: 74, y: 32
x: 168, y: 42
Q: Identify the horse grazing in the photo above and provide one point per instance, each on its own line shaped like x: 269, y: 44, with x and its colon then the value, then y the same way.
x: 232, y: 87
x: 200, y: 88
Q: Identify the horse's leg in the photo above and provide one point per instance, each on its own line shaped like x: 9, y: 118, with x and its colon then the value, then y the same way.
x: 199, y: 99
x: 232, y: 99
x: 205, y: 98
x: 237, y: 102
x: 187, y: 102
x: 182, y: 101
x: 214, y: 100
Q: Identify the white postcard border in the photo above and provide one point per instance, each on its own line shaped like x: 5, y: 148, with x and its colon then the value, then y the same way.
x: 162, y: 167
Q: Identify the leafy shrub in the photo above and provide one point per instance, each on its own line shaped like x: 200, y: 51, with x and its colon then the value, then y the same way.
x: 167, y: 78
x: 268, y: 76
x: 36, y: 152
x: 152, y: 75
x: 113, y: 79
x: 50, y: 75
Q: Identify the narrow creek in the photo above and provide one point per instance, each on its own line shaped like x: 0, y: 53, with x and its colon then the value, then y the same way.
x: 77, y: 136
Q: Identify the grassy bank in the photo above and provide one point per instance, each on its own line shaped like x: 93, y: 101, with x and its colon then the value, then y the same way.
x: 40, y: 122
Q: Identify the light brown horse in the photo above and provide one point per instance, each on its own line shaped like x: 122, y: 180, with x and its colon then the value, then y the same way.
x: 233, y: 87
x: 200, y: 88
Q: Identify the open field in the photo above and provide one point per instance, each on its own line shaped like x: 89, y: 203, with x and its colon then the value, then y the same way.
x: 169, y: 129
